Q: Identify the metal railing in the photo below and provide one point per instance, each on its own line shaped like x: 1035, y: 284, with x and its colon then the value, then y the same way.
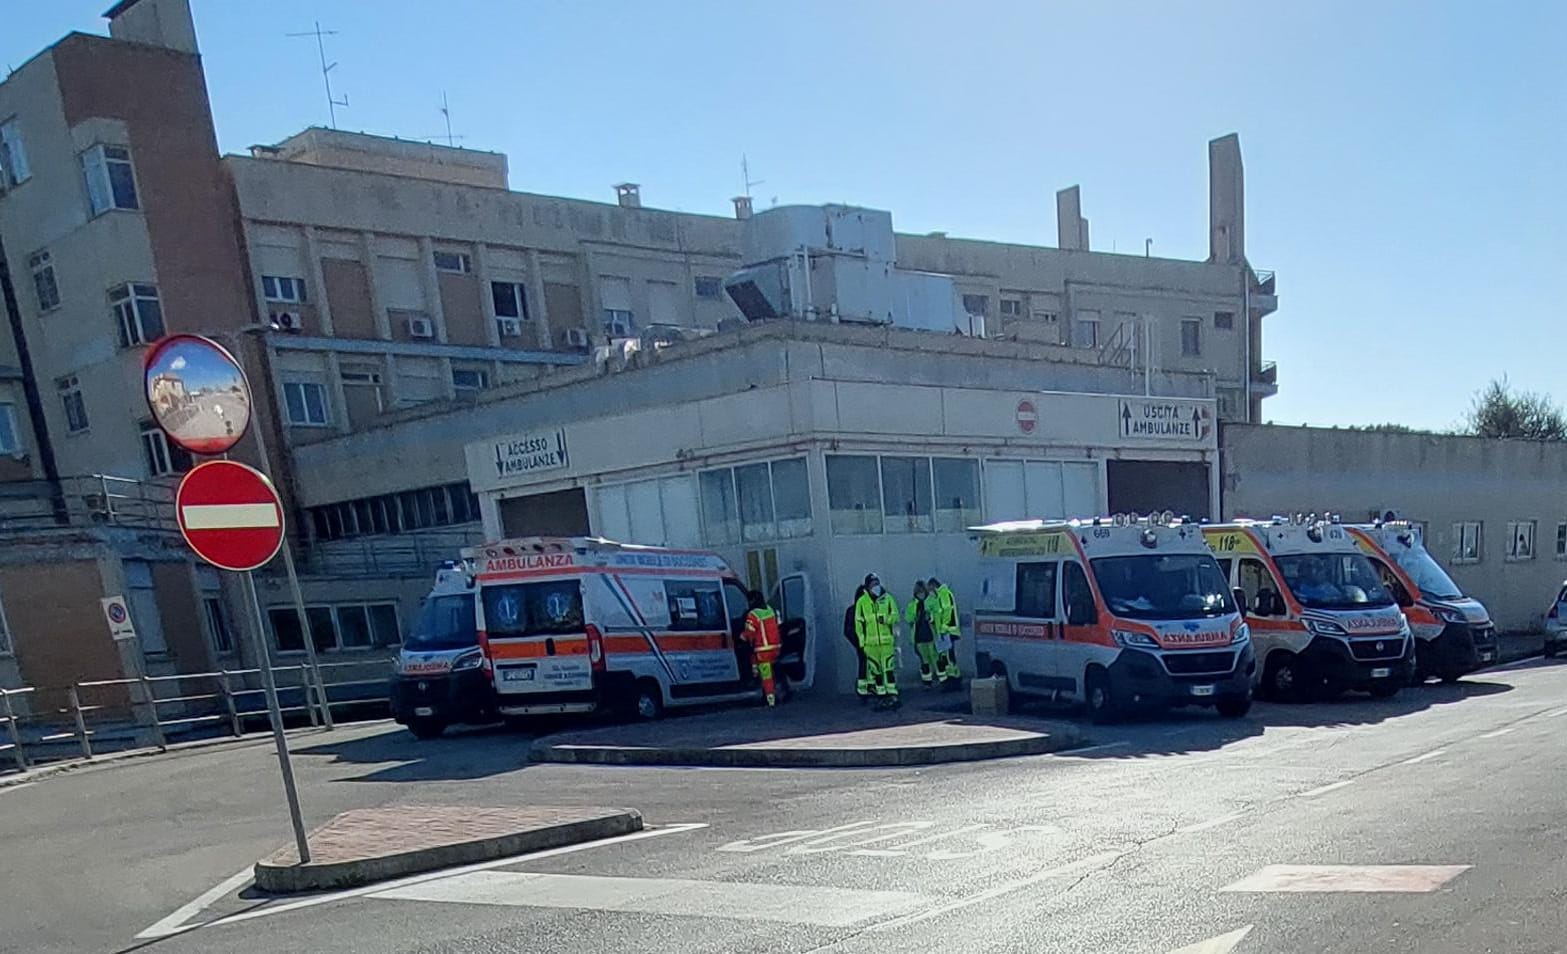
x: 124, y: 712
x: 397, y: 554
x: 1264, y: 280
x: 88, y: 500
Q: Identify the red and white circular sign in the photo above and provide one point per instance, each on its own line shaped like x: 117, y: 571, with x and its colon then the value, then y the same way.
x: 230, y: 515
x: 1027, y: 416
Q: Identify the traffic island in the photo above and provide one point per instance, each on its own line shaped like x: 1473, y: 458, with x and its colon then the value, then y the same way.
x: 802, y: 735
x: 373, y: 844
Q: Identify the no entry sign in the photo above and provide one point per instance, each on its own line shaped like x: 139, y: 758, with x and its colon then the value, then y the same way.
x: 230, y: 515
x: 1027, y: 416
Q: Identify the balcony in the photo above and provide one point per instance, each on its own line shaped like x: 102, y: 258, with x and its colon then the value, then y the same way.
x: 1263, y: 293
x: 1265, y: 379
x: 87, y: 501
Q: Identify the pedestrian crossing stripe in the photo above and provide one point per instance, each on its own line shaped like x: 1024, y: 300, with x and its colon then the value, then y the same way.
x: 1402, y: 879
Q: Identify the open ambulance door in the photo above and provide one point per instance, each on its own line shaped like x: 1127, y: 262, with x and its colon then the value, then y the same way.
x: 792, y: 599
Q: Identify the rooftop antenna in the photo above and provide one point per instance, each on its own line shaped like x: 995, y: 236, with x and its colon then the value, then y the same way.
x: 326, y: 70
x: 446, y: 112
x: 746, y: 182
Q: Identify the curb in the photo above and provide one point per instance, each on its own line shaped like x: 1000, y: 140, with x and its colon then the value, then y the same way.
x: 882, y: 757
x: 293, y: 878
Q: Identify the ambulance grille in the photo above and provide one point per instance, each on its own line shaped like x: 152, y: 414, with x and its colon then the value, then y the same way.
x: 1193, y: 664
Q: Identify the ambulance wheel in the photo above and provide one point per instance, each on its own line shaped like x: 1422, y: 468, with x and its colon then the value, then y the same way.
x: 1233, y: 707
x: 1281, y: 677
x: 647, y: 700
x: 982, y: 665
x: 427, y: 728
x: 1099, y: 698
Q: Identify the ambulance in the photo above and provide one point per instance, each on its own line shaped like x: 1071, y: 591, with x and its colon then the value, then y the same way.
x: 1118, y: 613
x: 439, y: 676
x: 1320, y: 618
x: 578, y: 624
x: 1454, y: 634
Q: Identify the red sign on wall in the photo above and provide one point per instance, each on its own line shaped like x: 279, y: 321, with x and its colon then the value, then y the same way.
x: 1027, y: 416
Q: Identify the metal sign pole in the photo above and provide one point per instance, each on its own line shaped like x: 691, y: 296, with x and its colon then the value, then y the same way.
x: 275, y: 714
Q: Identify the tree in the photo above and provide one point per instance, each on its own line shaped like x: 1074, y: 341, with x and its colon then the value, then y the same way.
x: 1500, y: 411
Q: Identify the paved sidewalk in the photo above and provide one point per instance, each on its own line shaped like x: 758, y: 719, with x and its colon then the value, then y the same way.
x: 373, y: 844
x: 815, y: 731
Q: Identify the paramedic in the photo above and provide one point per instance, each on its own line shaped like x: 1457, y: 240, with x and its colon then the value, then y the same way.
x: 761, y: 632
x: 875, y: 615
x: 862, y: 687
x: 919, y: 615
x: 946, y: 624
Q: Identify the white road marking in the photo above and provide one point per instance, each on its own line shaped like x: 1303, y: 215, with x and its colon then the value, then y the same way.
x: 1498, y: 732
x: 1323, y: 790
x: 1093, y: 748
x: 1404, y: 879
x: 1083, y: 865
x: 900, y: 849
x: 174, y: 923
x: 1210, y: 823
x: 1556, y: 712
x: 230, y: 516
x: 1222, y: 944
x: 1434, y: 753
x: 825, y: 906
x: 779, y: 839
x: 313, y: 900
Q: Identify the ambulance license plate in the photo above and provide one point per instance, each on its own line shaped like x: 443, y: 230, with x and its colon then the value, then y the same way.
x: 519, y: 674
x: 1487, y: 657
x: 423, y: 711
x: 1202, y: 690
x: 1381, y: 673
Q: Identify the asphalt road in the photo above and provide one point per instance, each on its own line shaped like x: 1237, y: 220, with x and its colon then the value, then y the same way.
x: 1432, y: 822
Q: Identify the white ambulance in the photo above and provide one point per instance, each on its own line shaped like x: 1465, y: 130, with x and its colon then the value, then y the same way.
x: 1117, y: 612
x: 1320, y: 617
x: 576, y: 624
x: 439, y: 678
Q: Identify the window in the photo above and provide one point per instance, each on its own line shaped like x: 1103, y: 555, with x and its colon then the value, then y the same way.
x: 1085, y: 330
x: 306, y: 402
x: 441, y: 505
x: 1077, y: 594
x: 552, y: 608
x: 1036, y: 590
x: 1253, y: 577
x: 283, y: 288
x: 1011, y: 307
x: 754, y: 491
x: 111, y: 184
x: 695, y: 606
x: 353, y: 627
x: 470, y: 379
x: 854, y: 494
x: 1191, y: 337
x: 1467, y: 541
x: 343, y: 626
x: 13, y: 155
x: 216, y: 614
x: 905, y: 490
x: 1224, y: 321
x: 5, y: 635
x: 720, y: 514
x: 511, y: 299
x: 755, y: 502
x: 458, y: 262
x: 792, y: 498
x: 161, y: 457
x: 619, y: 323
x: 1561, y: 541
x: 709, y: 286
x: 75, y: 408
x: 1520, y: 540
x: 957, y: 493
x: 138, y: 313
x: 976, y: 304
x: 45, y: 288
x: 10, y: 443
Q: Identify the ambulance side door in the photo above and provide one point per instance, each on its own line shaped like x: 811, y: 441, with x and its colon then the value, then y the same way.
x: 1081, y: 630
x: 1034, y: 650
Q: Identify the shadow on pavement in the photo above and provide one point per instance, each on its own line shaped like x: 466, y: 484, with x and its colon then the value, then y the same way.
x: 462, y: 753
x: 1184, y: 731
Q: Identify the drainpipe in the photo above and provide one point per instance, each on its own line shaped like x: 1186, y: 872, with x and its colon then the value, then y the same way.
x: 35, y: 405
x: 1246, y: 317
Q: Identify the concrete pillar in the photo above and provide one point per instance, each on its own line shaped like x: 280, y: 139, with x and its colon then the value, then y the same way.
x: 430, y: 280
x: 481, y: 271
x: 538, y: 307
x: 383, y: 324
x: 1226, y: 201
x: 334, y: 387
x: 317, y: 280
x: 1071, y: 227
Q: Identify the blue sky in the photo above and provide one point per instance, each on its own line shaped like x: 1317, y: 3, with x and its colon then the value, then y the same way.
x: 1404, y: 160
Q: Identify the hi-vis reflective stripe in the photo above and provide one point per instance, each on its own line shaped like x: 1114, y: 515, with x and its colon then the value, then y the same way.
x: 535, y: 647
x: 230, y: 516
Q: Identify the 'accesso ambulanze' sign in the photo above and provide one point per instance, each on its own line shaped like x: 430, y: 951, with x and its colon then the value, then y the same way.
x: 531, y: 453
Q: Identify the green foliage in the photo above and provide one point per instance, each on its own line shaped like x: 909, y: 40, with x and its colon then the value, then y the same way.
x: 1500, y: 411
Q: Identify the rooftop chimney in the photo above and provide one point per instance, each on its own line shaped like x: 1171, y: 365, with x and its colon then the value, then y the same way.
x: 1071, y: 227
x: 629, y: 195
x: 742, y: 207
x: 1226, y: 201
x: 165, y: 23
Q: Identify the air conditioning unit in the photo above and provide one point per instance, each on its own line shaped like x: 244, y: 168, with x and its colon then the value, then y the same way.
x: 289, y: 321
x: 576, y: 337
x: 421, y: 328
x: 509, y: 327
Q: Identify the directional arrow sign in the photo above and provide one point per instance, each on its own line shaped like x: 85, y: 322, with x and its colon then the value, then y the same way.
x: 1222, y: 944
x: 230, y: 515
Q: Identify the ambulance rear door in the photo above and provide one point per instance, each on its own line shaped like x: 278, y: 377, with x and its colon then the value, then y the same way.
x: 792, y: 600
x: 537, y: 636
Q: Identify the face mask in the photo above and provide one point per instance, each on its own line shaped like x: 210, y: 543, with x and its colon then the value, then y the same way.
x: 876, y: 590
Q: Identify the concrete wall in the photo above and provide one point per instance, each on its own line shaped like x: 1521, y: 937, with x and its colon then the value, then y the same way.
x: 1435, y: 479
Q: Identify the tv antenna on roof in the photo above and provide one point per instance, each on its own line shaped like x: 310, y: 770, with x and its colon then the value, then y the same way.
x: 326, y: 70
x: 746, y: 182
x: 446, y: 111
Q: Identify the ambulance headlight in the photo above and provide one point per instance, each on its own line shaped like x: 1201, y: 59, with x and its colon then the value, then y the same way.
x: 1132, y: 640
x: 472, y: 659
x: 1242, y: 635
x: 1324, y: 627
x: 1448, y: 615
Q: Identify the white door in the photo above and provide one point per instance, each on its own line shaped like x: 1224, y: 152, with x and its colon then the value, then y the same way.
x: 792, y: 600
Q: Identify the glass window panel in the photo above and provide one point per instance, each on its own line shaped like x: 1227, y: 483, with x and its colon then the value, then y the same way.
x: 720, y: 513
x: 792, y: 497
x: 353, y: 623
x: 383, y: 624
x: 905, y: 487
x: 755, y: 492
x: 957, y: 493
x: 853, y: 494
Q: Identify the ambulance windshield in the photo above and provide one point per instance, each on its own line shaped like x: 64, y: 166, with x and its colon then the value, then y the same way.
x: 1432, y: 581
x: 1333, y: 580
x: 1163, y: 586
x: 445, y: 622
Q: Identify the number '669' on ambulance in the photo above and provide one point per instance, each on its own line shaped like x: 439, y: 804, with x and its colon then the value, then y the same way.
x: 573, y: 624
x: 1116, y: 612
x: 1320, y: 617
